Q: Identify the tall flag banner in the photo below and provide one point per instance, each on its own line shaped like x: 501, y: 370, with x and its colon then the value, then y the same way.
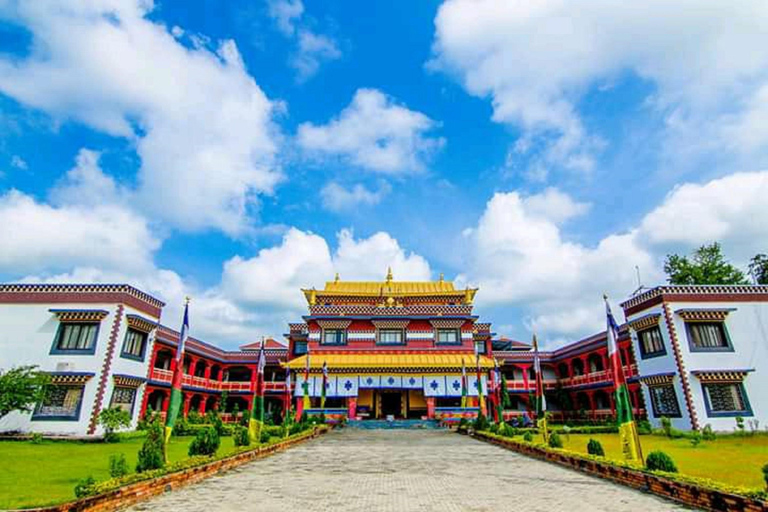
x: 174, y: 406
x: 463, y: 384
x: 480, y: 401
x: 257, y: 410
x: 497, y: 391
x: 325, y: 385
x: 287, y: 408
x: 630, y: 441
x: 541, y: 399
x: 305, y: 402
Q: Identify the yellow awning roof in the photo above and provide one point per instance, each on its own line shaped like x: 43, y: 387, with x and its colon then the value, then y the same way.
x: 389, y: 361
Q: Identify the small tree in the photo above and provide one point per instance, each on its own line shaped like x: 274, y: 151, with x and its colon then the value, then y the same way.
x: 708, y: 434
x: 506, y: 403
x: 21, y: 388
x: 555, y: 441
x: 595, y: 448
x: 152, y: 453
x: 206, y: 442
x: 758, y: 269
x: 660, y: 461
x: 666, y: 426
x: 706, y: 266
x: 740, y: 426
x: 528, y: 437
x: 113, y: 419
x: 118, y: 466
x: 241, y: 436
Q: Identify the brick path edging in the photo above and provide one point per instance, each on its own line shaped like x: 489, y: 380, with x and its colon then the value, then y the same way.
x: 142, y: 491
x: 682, y: 492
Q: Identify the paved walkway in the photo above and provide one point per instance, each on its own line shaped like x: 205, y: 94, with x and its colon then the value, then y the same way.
x: 401, y: 470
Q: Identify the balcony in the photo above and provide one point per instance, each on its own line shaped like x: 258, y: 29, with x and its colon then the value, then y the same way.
x: 191, y: 381
x: 601, y: 377
x: 519, y: 385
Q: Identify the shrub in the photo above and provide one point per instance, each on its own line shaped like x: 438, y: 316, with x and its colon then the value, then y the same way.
x: 660, y: 461
x: 695, y: 438
x: 206, y: 442
x: 644, y: 427
x: 152, y: 452
x: 245, y: 419
x: 81, y: 488
x: 481, y: 423
x: 296, y: 428
x: 194, y: 418
x: 666, y: 426
x: 493, y: 428
x: 765, y: 475
x: 37, y: 438
x: 241, y: 436
x: 595, y: 448
x: 264, y: 436
x: 149, y: 417
x: 528, y: 437
x: 707, y: 433
x: 113, y: 419
x: 118, y: 466
x: 212, y: 418
x: 555, y: 441
x: 739, y: 425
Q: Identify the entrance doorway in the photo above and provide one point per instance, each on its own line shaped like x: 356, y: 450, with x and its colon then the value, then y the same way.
x: 391, y: 404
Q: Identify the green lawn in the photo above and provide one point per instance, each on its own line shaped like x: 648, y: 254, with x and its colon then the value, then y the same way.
x: 36, y: 475
x: 731, y: 460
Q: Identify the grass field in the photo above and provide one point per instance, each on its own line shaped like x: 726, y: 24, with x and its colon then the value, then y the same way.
x: 731, y: 460
x: 36, y: 475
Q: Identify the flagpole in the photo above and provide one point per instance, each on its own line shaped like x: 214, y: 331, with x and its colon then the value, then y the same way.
x: 257, y: 407
x: 630, y: 439
x: 541, y: 399
x: 177, y: 367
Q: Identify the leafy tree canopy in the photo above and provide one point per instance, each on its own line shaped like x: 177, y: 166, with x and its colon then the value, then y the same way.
x: 758, y: 268
x: 707, y: 265
x: 21, y: 388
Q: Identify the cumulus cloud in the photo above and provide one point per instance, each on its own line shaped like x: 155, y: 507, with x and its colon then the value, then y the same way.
x: 536, y: 60
x: 19, y: 163
x: 337, y: 198
x: 376, y: 133
x: 520, y: 255
x: 86, y: 184
x: 201, y: 125
x: 312, y: 48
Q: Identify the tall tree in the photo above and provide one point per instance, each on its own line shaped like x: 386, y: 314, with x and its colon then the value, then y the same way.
x: 21, y: 388
x: 707, y: 265
x: 758, y: 268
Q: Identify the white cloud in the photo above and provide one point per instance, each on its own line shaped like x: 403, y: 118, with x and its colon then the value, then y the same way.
x: 337, y: 198
x: 537, y: 60
x: 19, y: 163
x: 86, y: 184
x: 375, y: 133
x: 37, y: 236
x: 520, y: 257
x: 285, y: 13
x: 201, y: 125
x: 313, y: 50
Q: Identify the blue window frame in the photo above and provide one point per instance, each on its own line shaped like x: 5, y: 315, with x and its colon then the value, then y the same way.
x: 708, y: 337
x: 448, y: 337
x: 333, y: 337
x: 61, y: 402
x: 651, y: 343
x: 76, y: 338
x: 725, y: 399
x: 390, y: 337
x: 299, y: 348
x: 134, y: 345
x: 124, y: 398
x: 664, y: 401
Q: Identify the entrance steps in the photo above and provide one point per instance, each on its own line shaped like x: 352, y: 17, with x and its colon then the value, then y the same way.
x: 382, y: 424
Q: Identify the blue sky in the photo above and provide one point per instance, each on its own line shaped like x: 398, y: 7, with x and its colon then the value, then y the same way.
x: 236, y: 151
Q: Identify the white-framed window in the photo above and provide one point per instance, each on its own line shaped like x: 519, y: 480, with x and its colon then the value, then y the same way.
x: 651, y: 342
x: 390, y: 336
x: 726, y: 399
x: 76, y: 337
x: 664, y: 401
x: 123, y: 398
x: 333, y: 337
x: 61, y: 402
x: 448, y: 336
x: 134, y: 345
x: 707, y: 336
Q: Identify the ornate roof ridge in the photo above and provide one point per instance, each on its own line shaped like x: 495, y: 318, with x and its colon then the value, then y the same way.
x: 81, y: 288
x: 695, y: 289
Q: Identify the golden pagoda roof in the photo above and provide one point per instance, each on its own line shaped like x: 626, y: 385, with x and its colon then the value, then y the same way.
x: 388, y: 287
x: 340, y: 361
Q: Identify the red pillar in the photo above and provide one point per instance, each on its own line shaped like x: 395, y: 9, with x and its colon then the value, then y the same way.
x: 526, y: 382
x: 352, y: 407
x: 201, y: 409
x: 166, y: 402
x: 187, y: 400
x: 144, y: 401
x: 431, y: 407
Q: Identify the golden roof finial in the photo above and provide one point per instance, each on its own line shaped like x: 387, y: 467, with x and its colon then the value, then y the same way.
x: 336, y: 279
x: 187, y: 300
x: 442, y: 277
x: 389, y: 274
x: 312, y: 297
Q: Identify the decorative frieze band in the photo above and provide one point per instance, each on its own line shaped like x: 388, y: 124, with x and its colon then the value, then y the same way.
x: 448, y: 323
x: 391, y: 324
x: 140, y: 323
x: 334, y: 324
x: 70, y: 377
x: 128, y: 381
x: 80, y: 315
x: 644, y: 322
x: 704, y: 315
x: 660, y: 379
x: 720, y: 375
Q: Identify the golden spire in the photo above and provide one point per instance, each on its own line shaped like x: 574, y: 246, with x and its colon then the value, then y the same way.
x: 312, y: 297
x: 389, y: 275
x: 336, y: 279
x: 442, y: 277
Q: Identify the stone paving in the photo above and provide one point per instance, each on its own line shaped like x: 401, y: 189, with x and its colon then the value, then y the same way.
x: 400, y: 470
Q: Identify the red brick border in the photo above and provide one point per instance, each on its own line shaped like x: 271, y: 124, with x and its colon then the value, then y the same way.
x: 142, y: 491
x: 104, y: 380
x: 686, y: 493
x: 680, y: 366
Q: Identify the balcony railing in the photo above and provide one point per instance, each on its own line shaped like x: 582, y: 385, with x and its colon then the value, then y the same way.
x: 192, y: 381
